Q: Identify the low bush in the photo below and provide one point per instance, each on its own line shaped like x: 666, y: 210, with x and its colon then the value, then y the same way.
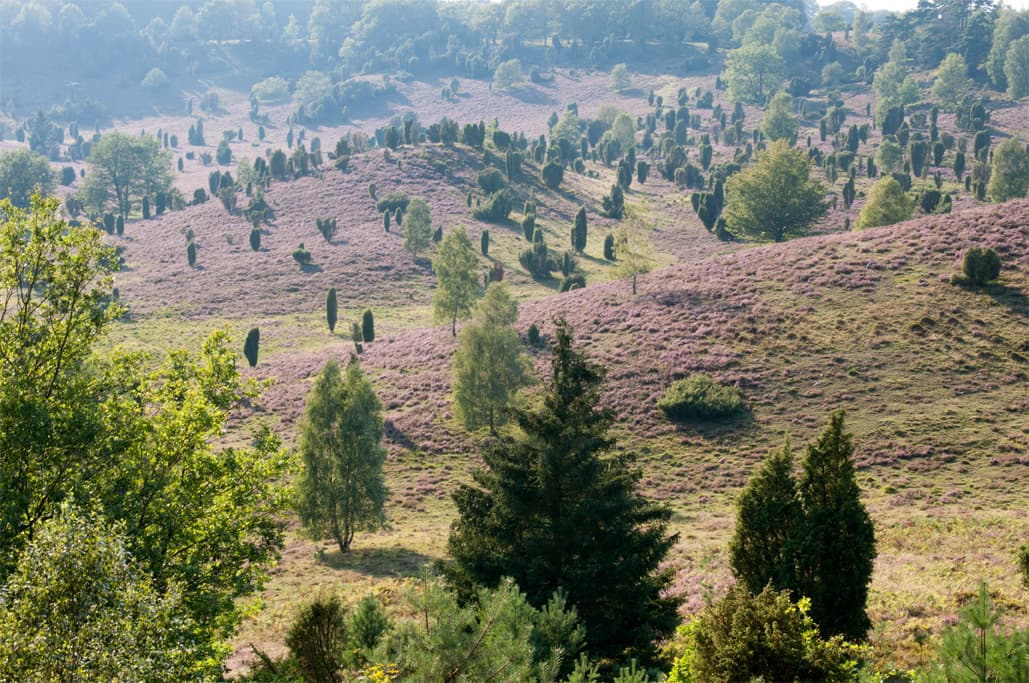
x: 700, y: 397
x: 392, y: 201
x: 495, y: 209
x: 979, y: 266
x: 302, y: 255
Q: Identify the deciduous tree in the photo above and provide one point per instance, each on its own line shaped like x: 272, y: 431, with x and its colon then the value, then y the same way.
x: 776, y: 196
x: 417, y: 226
x: 341, y: 488
x: 22, y: 174
x: 887, y: 204
x: 1009, y: 172
x: 456, y: 278
x: 123, y: 169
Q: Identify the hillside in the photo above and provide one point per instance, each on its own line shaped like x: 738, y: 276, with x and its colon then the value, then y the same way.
x: 932, y: 377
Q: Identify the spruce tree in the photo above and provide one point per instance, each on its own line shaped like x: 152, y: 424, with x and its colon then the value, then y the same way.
x: 768, y: 514
x: 552, y: 511
x: 836, y: 542
x: 331, y: 309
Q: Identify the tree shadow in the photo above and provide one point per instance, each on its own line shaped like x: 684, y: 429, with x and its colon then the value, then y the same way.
x: 713, y: 429
x: 530, y: 95
x: 310, y: 268
x: 394, y: 434
x: 378, y: 562
x: 1012, y: 297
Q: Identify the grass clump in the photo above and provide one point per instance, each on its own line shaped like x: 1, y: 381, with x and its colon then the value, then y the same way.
x: 700, y: 397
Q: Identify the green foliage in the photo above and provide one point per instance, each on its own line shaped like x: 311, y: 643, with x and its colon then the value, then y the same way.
x: 484, y: 242
x: 271, y: 90
x: 507, y: 74
x: 609, y: 247
x: 549, y: 511
x: 778, y: 121
x: 753, y: 71
x: 490, y: 180
x: 301, y: 255
x: 331, y: 309
x: 620, y: 79
x: 952, y: 82
x: 77, y: 607
x: 191, y: 253
x: 223, y: 154
x: 314, y: 96
x: 341, y: 487
x: 764, y: 637
x: 368, y: 326
x: 123, y: 169
x: 776, y: 196
x: 24, y: 173
x: 614, y: 202
x: 392, y: 201
x: 836, y: 543
x: 768, y: 516
x: 976, y: 650
x: 317, y: 639
x: 255, y: 239
x: 417, y: 226
x: 1016, y: 68
x: 893, y: 86
x: 698, y: 397
x: 980, y: 266
x: 496, y: 208
x: 887, y: 204
x: 327, y: 227
x: 553, y: 173
x: 1009, y: 171
x: 456, y: 279
x: 579, y: 231
x: 488, y: 366
x: 252, y: 345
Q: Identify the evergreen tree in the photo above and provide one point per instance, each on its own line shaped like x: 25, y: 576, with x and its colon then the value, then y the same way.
x: 768, y: 514
x: 368, y: 326
x: 489, y: 366
x: 836, y: 542
x: 579, y: 231
x: 331, y: 309
x: 552, y: 513
x: 252, y: 345
x: 456, y: 279
x: 341, y: 486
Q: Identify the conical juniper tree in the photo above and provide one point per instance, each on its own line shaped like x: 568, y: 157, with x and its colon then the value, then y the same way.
x: 836, y: 542
x: 768, y: 514
x: 553, y: 510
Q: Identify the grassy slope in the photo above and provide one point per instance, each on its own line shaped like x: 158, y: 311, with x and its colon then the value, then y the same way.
x: 932, y: 375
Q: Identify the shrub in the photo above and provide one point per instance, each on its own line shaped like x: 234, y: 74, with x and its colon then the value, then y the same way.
x: 223, y: 155
x: 490, y: 180
x: 495, y: 209
x: 255, y: 239
x: 614, y: 202
x: 573, y: 282
x: 507, y: 74
x: 392, y: 201
x: 119, y: 226
x: 271, y: 90
x: 484, y: 243
x: 980, y: 266
x: 532, y: 336
x: 385, y: 220
x: 700, y: 397
x: 227, y: 195
x: 191, y: 253
x: 251, y: 345
x: 609, y: 247
x: 536, y: 259
x: 368, y: 326
x: 327, y: 227
x: 553, y: 173
x: 301, y: 255
x: 529, y: 226
x: 318, y: 639
x: 67, y: 175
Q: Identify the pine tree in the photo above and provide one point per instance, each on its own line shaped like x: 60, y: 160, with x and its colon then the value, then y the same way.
x: 836, y: 542
x: 768, y: 514
x: 489, y: 366
x: 341, y: 486
x: 456, y: 279
x: 551, y: 512
x: 331, y: 309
